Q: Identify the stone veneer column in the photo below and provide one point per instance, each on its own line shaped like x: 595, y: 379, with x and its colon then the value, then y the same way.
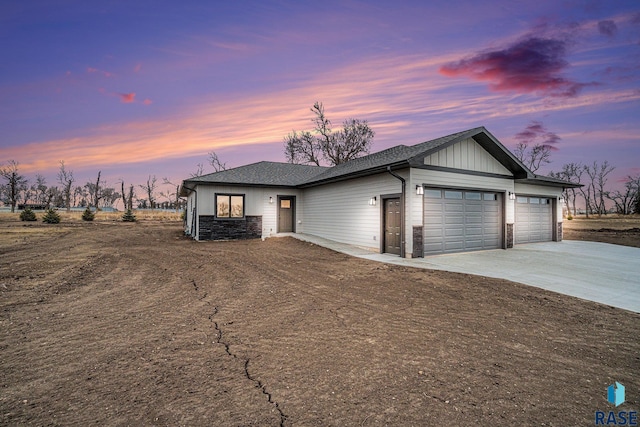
x: 418, y: 247
x: 509, y: 236
x: 559, y: 239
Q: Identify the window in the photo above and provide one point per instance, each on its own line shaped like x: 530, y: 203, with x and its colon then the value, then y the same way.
x: 432, y: 194
x: 285, y: 204
x: 521, y: 199
x: 473, y: 196
x: 534, y: 200
x: 490, y: 196
x: 229, y: 206
x: 452, y: 194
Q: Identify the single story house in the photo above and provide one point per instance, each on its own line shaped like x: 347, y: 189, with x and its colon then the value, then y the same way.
x: 461, y: 192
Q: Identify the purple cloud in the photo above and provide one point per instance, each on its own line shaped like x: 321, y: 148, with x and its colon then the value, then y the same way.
x: 536, y: 132
x: 530, y: 65
x: 607, y: 28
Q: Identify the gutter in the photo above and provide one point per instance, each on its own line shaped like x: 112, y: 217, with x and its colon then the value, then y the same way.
x: 402, y: 202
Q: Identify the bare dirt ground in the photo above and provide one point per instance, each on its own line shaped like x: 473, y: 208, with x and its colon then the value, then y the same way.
x: 616, y: 229
x: 109, y: 323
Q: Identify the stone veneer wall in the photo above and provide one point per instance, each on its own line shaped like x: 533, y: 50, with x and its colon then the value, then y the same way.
x: 509, y: 236
x: 559, y: 239
x: 418, y: 247
x: 212, y: 228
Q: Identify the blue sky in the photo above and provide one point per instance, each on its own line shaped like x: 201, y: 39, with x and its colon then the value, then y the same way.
x: 138, y: 88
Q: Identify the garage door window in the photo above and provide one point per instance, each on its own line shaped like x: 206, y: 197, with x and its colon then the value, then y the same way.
x: 490, y: 196
x: 433, y: 194
x: 522, y: 199
x: 473, y: 196
x: 453, y: 194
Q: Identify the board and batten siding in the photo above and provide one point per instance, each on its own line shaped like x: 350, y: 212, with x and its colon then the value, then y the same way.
x: 468, y: 155
x: 256, y: 203
x: 341, y: 212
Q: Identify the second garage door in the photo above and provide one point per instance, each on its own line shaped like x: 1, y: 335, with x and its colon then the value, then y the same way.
x: 533, y: 220
x: 460, y: 220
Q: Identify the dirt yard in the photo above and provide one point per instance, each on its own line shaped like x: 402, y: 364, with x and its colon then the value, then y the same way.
x: 619, y: 230
x: 110, y: 323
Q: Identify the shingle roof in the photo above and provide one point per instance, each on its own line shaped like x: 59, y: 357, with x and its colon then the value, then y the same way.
x: 391, y: 156
x: 291, y: 175
x: 263, y: 173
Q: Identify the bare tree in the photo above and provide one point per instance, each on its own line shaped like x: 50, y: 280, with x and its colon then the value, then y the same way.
x: 16, y: 183
x: 52, y: 194
x: 215, y: 162
x: 109, y: 196
x: 130, y: 205
x: 533, y: 157
x: 127, y: 202
x: 626, y: 201
x: 302, y: 148
x: 65, y: 178
x: 199, y: 171
x: 150, y: 189
x: 80, y: 197
x: 595, y: 192
x: 352, y: 141
x: 172, y: 196
x: 571, y: 172
x: 40, y: 188
x: 96, y: 194
x: 534, y: 146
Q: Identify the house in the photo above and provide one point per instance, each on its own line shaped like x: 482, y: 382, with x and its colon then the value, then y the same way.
x: 461, y: 192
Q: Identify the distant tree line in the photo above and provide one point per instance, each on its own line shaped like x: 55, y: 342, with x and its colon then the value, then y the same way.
x: 594, y: 178
x: 17, y: 191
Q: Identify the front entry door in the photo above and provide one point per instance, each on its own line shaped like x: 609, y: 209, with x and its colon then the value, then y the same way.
x: 286, y: 214
x: 392, y: 225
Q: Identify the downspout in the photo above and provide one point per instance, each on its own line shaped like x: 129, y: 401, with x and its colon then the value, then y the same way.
x: 195, y: 211
x: 402, y: 202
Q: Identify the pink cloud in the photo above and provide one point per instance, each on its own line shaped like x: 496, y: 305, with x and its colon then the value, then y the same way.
x: 147, y: 102
x: 532, y: 64
x: 92, y: 70
x: 137, y: 68
x: 127, y: 98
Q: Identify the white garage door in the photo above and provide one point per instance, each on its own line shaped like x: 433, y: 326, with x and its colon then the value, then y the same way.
x: 533, y: 220
x: 460, y: 220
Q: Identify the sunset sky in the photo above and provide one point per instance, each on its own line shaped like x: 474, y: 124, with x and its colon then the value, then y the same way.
x: 138, y: 88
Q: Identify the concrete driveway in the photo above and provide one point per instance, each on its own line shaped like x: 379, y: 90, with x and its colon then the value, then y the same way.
x: 600, y: 272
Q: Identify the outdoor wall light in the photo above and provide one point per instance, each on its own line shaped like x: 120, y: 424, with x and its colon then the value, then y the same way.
x: 270, y: 200
x: 512, y: 196
x: 419, y: 190
x: 372, y: 201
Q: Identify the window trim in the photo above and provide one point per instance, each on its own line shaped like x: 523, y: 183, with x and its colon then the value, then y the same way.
x: 229, y: 196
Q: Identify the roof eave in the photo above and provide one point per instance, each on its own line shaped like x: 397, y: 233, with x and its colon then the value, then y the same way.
x: 549, y: 182
x: 358, y: 174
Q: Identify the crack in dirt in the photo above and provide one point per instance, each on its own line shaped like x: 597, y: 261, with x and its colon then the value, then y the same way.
x: 263, y: 387
x: 247, y: 374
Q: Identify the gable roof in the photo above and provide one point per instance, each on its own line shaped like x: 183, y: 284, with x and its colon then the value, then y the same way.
x: 401, y: 156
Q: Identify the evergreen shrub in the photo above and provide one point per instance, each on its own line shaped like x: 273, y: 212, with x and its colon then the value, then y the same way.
x: 51, y: 217
x: 27, y: 215
x: 128, y: 216
x: 87, y: 215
